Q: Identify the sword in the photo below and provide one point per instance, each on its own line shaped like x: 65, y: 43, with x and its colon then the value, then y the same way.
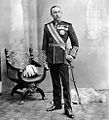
x: 79, y: 99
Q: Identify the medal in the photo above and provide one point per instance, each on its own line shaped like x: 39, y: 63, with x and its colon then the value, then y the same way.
x: 62, y: 32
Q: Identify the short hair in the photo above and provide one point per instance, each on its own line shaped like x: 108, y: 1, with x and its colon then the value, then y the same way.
x: 54, y: 7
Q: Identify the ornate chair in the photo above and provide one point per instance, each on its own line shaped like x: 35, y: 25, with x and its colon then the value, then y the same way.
x: 29, y: 84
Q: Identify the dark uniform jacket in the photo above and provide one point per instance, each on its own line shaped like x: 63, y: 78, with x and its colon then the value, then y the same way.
x: 55, y: 54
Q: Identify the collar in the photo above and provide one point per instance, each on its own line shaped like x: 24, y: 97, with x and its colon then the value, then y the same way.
x: 57, y: 21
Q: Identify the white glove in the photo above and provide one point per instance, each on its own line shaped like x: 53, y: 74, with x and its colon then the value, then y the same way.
x: 30, y: 70
x: 69, y: 58
x: 73, y: 51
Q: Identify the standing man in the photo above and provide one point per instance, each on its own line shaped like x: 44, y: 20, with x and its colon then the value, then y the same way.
x: 55, y: 37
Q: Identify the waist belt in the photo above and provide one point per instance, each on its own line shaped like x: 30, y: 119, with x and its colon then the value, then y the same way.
x: 56, y: 44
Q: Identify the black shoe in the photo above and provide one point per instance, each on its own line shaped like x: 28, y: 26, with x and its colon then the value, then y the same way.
x: 69, y: 113
x: 54, y: 108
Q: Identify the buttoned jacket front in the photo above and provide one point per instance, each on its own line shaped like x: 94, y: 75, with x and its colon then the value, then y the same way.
x: 55, y: 54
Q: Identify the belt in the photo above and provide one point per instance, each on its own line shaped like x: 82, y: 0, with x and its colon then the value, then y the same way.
x: 56, y: 44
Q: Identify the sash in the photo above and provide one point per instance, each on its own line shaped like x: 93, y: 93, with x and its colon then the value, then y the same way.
x: 56, y: 35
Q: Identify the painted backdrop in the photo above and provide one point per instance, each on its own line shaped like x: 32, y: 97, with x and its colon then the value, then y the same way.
x: 90, y: 19
x: 22, y: 22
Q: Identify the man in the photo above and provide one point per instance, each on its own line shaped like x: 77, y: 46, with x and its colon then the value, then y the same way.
x: 54, y: 47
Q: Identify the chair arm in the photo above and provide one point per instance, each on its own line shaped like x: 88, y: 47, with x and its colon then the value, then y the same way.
x: 33, y: 62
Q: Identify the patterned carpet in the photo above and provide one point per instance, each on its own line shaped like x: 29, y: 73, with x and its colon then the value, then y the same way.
x: 35, y: 109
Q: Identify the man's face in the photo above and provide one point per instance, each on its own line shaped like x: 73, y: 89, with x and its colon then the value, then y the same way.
x: 56, y: 13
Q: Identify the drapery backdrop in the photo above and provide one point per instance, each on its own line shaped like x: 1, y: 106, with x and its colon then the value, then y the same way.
x: 90, y: 18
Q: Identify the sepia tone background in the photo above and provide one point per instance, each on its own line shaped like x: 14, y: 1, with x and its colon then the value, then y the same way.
x: 25, y: 19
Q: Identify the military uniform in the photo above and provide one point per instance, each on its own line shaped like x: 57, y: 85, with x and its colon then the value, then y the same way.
x: 54, y: 53
x: 56, y: 59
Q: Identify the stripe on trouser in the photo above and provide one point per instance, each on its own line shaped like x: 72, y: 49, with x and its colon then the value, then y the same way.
x: 0, y: 87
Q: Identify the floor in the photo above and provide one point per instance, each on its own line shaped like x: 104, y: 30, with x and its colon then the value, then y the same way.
x: 35, y: 109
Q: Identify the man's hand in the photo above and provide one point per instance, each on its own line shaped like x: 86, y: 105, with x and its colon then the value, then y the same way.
x: 44, y: 57
x: 73, y: 52
x: 69, y: 58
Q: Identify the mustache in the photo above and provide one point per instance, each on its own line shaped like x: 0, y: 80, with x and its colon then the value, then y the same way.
x: 58, y: 16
